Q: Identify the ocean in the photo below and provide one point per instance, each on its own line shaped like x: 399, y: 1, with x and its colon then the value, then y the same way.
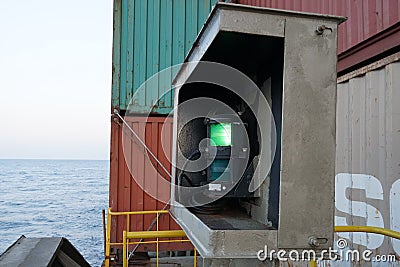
x: 60, y: 198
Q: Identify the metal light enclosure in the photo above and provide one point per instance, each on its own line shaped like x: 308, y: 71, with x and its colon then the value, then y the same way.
x: 307, y: 131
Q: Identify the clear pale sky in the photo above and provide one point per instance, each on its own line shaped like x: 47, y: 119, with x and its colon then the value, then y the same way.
x: 55, y: 78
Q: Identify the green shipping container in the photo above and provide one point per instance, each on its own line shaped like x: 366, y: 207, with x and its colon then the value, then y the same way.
x: 149, y: 36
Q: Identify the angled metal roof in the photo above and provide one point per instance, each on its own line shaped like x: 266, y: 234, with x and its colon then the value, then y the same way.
x: 49, y: 251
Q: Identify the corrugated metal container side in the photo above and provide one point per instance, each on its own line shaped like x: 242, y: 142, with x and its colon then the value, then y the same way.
x: 368, y: 157
x: 133, y: 165
x: 368, y: 162
x: 150, y: 36
x: 366, y: 18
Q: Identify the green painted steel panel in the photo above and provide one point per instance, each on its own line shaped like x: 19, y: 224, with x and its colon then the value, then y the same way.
x: 116, y: 58
x: 149, y: 36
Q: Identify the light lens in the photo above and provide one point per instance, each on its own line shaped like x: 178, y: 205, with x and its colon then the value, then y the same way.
x: 221, y: 134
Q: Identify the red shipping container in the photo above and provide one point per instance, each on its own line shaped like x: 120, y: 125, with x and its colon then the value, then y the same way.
x: 372, y: 27
x: 134, y: 181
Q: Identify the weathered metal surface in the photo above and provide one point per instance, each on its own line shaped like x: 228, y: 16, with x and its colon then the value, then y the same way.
x: 368, y: 159
x: 365, y: 18
x: 373, y: 66
x: 308, y: 132
x: 373, y: 47
x: 253, y: 24
x: 213, y: 243
x: 50, y: 251
x: 132, y: 174
x: 150, y: 36
x: 372, y: 28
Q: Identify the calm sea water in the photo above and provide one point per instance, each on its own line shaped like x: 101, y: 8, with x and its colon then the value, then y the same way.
x: 45, y: 198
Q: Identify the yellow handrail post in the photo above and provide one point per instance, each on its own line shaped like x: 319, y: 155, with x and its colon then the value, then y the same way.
x: 127, y: 223
x: 157, y: 241
x: 157, y: 253
x: 313, y: 263
x: 108, y: 239
x: 195, y: 257
x: 124, y: 250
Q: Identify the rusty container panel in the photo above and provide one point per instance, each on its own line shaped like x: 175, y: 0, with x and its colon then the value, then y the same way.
x: 135, y: 183
x: 373, y: 26
x: 368, y: 157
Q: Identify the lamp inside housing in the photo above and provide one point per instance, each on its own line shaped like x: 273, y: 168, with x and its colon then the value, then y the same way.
x: 245, y: 173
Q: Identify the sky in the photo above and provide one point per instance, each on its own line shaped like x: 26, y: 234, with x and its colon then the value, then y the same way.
x: 55, y: 79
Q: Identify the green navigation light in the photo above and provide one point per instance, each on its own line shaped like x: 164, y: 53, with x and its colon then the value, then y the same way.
x: 221, y: 134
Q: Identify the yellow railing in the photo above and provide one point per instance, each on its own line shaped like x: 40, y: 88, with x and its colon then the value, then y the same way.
x: 364, y: 229
x: 156, y: 235
x: 368, y: 229
x: 127, y: 235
